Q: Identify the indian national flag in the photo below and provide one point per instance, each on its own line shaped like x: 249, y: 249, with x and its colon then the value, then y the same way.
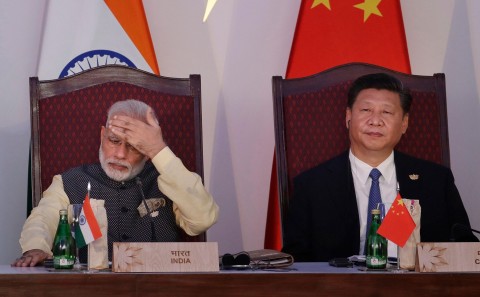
x: 79, y: 35
x: 87, y: 229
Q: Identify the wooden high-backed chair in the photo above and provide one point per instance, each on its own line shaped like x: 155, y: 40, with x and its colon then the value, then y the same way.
x: 67, y: 114
x: 309, y: 116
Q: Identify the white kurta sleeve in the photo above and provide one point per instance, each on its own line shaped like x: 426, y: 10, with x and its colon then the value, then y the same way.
x: 195, y: 210
x: 40, y: 227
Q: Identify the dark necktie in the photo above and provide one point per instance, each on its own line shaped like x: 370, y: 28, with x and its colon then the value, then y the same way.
x: 374, y: 197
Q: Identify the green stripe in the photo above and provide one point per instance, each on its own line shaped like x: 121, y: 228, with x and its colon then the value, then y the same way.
x: 79, y: 240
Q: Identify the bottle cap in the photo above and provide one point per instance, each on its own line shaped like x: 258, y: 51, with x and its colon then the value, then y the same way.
x: 375, y: 211
x: 63, y: 212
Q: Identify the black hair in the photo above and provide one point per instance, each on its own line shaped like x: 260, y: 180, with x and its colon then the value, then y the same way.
x: 380, y: 81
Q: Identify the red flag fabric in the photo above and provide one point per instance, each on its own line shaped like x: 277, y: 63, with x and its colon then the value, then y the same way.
x: 331, y: 33
x: 348, y: 31
x: 273, y: 234
x: 398, y: 224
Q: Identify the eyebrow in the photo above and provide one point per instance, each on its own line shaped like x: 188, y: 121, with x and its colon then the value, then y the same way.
x: 372, y: 102
x: 113, y: 137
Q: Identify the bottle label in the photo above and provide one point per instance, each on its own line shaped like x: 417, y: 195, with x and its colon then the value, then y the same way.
x: 63, y: 262
x: 377, y: 261
x: 374, y: 262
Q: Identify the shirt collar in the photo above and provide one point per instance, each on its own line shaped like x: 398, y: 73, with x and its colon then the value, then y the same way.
x: 362, y: 169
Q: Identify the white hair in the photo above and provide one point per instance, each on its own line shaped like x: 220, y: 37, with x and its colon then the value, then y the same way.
x: 130, y: 107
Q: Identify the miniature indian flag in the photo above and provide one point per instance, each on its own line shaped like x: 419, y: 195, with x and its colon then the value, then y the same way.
x: 87, y: 229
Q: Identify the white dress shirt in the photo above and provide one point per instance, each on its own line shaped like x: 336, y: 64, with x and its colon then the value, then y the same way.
x: 362, y: 182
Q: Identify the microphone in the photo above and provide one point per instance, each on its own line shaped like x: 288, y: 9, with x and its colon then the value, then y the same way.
x: 149, y: 213
x: 464, y: 234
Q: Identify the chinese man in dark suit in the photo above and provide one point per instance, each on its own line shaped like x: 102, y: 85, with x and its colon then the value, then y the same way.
x: 328, y: 214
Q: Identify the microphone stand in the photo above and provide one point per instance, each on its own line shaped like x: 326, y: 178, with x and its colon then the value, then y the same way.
x: 397, y: 268
x: 455, y: 226
x: 149, y: 213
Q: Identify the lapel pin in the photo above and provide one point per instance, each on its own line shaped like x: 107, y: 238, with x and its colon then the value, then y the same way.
x: 413, y: 176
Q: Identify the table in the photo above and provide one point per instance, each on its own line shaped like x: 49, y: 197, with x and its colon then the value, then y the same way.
x: 307, y: 279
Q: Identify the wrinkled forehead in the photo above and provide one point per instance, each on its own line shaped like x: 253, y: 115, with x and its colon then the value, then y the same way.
x: 110, y: 135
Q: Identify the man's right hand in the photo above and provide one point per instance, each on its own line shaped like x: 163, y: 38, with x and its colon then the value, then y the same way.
x: 31, y: 258
x: 146, y: 137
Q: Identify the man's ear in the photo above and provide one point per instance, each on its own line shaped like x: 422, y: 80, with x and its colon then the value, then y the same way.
x: 102, y: 132
x: 348, y: 117
x: 404, y: 123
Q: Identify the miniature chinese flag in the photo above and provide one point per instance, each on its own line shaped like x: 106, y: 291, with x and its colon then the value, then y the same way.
x: 398, y: 225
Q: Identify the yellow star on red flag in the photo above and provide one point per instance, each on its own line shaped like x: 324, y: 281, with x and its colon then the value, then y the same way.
x: 398, y: 224
x: 400, y: 202
x: 326, y: 3
x: 369, y: 7
x: 400, y: 205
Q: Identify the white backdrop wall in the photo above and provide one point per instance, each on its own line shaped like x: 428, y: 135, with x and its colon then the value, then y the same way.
x: 20, y: 37
x: 237, y: 51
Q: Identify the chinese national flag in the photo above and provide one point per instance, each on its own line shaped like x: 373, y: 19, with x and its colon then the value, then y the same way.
x: 334, y: 32
x: 398, y: 224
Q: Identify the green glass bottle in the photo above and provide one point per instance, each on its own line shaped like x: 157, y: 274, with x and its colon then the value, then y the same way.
x: 377, y: 251
x: 63, y: 244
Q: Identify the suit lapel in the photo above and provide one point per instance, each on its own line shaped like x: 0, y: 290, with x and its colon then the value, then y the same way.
x: 341, y: 185
x: 408, y: 176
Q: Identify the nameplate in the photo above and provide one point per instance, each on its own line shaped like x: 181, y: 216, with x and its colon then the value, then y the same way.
x: 165, y: 257
x: 448, y: 257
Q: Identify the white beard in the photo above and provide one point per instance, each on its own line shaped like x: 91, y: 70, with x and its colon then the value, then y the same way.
x: 118, y: 175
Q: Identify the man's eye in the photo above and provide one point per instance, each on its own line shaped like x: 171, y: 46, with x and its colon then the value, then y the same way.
x: 132, y: 149
x: 115, y: 141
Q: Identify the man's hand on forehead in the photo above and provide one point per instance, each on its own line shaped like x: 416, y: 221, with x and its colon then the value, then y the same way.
x: 145, y: 137
x: 122, y: 124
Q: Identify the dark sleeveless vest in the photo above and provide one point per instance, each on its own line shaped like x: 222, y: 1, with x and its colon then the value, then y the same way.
x: 121, y: 202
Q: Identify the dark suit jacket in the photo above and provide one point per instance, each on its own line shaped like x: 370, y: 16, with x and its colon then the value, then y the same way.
x: 322, y: 221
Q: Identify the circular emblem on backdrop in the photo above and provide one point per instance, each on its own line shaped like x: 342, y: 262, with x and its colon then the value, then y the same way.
x: 82, y: 220
x: 92, y: 59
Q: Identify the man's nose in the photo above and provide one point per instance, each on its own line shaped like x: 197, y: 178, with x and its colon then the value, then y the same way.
x: 376, y: 119
x: 121, y: 151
